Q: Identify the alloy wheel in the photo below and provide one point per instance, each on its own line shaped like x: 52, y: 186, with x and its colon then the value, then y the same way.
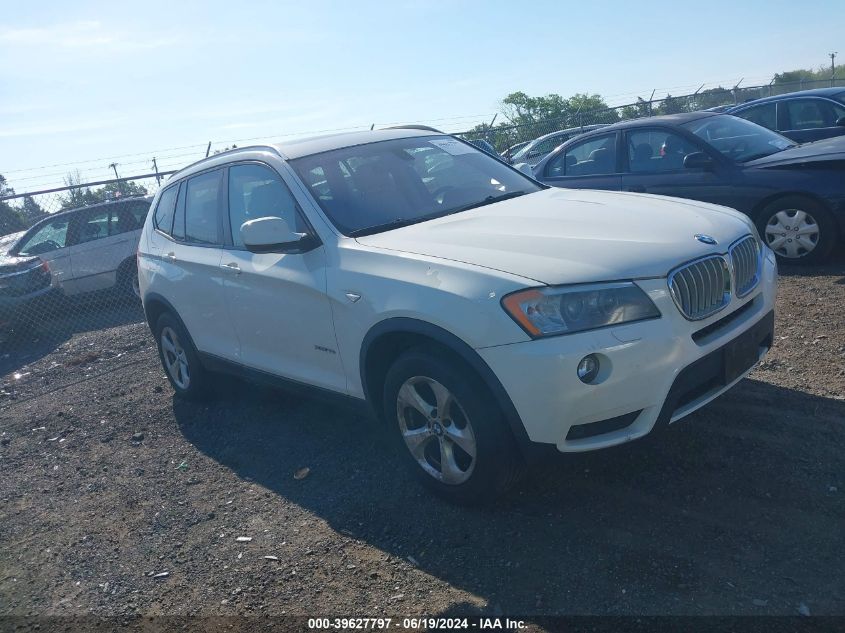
x: 436, y: 430
x: 175, y: 358
x: 792, y: 233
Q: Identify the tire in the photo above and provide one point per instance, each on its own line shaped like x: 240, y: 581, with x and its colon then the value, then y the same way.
x: 445, y: 439
x: 127, y: 279
x: 189, y: 379
x: 798, y: 229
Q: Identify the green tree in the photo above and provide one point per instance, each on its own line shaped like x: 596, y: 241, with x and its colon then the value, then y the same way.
x: 11, y: 219
x: 80, y: 195
x: 32, y: 211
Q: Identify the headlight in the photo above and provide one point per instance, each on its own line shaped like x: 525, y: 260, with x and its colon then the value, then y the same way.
x: 563, y: 310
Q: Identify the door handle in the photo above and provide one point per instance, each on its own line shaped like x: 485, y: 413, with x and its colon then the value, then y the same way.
x: 170, y: 256
x: 232, y: 267
x: 636, y: 189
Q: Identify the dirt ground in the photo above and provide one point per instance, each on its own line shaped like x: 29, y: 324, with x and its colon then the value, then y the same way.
x: 115, y: 498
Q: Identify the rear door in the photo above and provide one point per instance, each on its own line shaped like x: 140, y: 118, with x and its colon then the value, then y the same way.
x: 105, y: 239
x: 592, y: 163
x: 278, y: 303
x: 185, y: 251
x: 655, y: 164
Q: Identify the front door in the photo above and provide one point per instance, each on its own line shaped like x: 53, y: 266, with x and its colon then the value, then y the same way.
x: 590, y: 164
x: 655, y: 164
x: 277, y: 302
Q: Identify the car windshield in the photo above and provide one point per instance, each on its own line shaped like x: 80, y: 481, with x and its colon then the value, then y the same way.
x: 736, y: 138
x: 375, y: 187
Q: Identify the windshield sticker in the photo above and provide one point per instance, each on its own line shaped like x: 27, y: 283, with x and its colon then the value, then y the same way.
x: 780, y: 143
x: 453, y: 146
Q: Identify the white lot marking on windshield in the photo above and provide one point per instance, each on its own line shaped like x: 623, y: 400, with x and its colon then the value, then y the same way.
x: 453, y: 147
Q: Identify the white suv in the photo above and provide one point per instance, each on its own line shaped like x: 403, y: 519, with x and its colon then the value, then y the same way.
x: 483, y: 316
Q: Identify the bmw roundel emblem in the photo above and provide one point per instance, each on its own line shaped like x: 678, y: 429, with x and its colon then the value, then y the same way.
x: 705, y: 239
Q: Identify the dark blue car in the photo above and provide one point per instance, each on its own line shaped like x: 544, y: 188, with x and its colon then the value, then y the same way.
x: 794, y: 193
x: 809, y: 115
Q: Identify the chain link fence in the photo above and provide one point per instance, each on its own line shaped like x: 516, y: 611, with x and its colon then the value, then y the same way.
x: 67, y: 254
x: 508, y: 139
x: 67, y: 262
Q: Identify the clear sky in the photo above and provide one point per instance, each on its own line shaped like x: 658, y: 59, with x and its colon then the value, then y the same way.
x: 88, y: 82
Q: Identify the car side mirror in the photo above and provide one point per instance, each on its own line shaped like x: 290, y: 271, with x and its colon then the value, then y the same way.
x: 273, y: 235
x: 525, y: 168
x: 841, y: 121
x: 698, y: 160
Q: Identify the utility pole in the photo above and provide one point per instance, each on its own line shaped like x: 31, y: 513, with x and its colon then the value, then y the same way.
x: 832, y: 67
x: 119, y: 188
x: 155, y: 169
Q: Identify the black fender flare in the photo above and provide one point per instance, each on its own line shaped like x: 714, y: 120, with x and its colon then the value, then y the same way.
x: 463, y: 350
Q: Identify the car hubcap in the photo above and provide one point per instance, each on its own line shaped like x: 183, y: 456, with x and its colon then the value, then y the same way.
x: 175, y: 359
x: 792, y: 233
x: 436, y: 430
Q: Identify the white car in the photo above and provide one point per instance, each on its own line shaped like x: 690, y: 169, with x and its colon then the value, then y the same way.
x: 483, y: 316
x: 86, y: 249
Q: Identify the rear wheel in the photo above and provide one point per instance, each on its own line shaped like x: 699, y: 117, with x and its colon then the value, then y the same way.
x: 127, y: 279
x: 186, y: 374
x: 798, y: 230
x: 449, y: 429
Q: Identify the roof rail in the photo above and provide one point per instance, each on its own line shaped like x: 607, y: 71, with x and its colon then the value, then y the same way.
x: 228, y: 151
x: 424, y: 128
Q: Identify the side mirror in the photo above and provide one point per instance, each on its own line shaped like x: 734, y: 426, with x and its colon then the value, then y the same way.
x: 698, y: 160
x: 273, y: 235
x: 841, y: 121
x: 525, y: 168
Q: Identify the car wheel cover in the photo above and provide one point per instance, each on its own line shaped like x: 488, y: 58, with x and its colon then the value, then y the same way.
x: 436, y: 430
x: 792, y: 233
x: 175, y: 358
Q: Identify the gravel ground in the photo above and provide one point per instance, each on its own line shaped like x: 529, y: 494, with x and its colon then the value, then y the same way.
x: 117, y: 499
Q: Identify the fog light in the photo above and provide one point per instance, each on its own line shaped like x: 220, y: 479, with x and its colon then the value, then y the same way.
x: 588, y: 368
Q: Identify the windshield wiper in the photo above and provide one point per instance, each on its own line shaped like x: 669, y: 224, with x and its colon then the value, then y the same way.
x: 488, y: 200
x: 386, y: 226
x: 400, y: 222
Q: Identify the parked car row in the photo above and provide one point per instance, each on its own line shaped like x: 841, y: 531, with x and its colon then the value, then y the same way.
x: 70, y: 253
x: 794, y: 193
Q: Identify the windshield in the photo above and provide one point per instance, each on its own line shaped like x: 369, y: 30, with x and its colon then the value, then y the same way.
x: 378, y: 186
x: 736, y: 138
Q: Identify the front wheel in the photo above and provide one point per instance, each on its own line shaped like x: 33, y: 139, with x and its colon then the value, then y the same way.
x: 449, y: 429
x: 798, y: 230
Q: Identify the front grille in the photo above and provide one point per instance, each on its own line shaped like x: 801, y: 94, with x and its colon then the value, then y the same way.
x: 701, y: 288
x: 745, y: 257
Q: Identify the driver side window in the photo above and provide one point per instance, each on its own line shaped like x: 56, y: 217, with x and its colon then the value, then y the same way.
x: 651, y: 151
x: 256, y: 191
x: 50, y: 237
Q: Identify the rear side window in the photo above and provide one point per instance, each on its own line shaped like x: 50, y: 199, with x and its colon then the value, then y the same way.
x: 593, y: 157
x: 94, y: 226
x: 201, y: 204
x: 164, y: 210
x: 128, y: 217
x: 764, y: 114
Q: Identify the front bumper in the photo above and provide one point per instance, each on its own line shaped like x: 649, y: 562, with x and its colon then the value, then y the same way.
x: 654, y: 372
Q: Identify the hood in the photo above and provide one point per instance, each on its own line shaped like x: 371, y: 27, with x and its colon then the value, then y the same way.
x: 12, y: 263
x: 560, y: 236
x: 824, y: 150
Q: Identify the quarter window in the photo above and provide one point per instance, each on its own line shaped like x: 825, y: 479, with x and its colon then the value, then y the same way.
x: 593, y: 157
x: 652, y: 151
x: 201, y: 208
x: 164, y: 210
x: 256, y: 191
